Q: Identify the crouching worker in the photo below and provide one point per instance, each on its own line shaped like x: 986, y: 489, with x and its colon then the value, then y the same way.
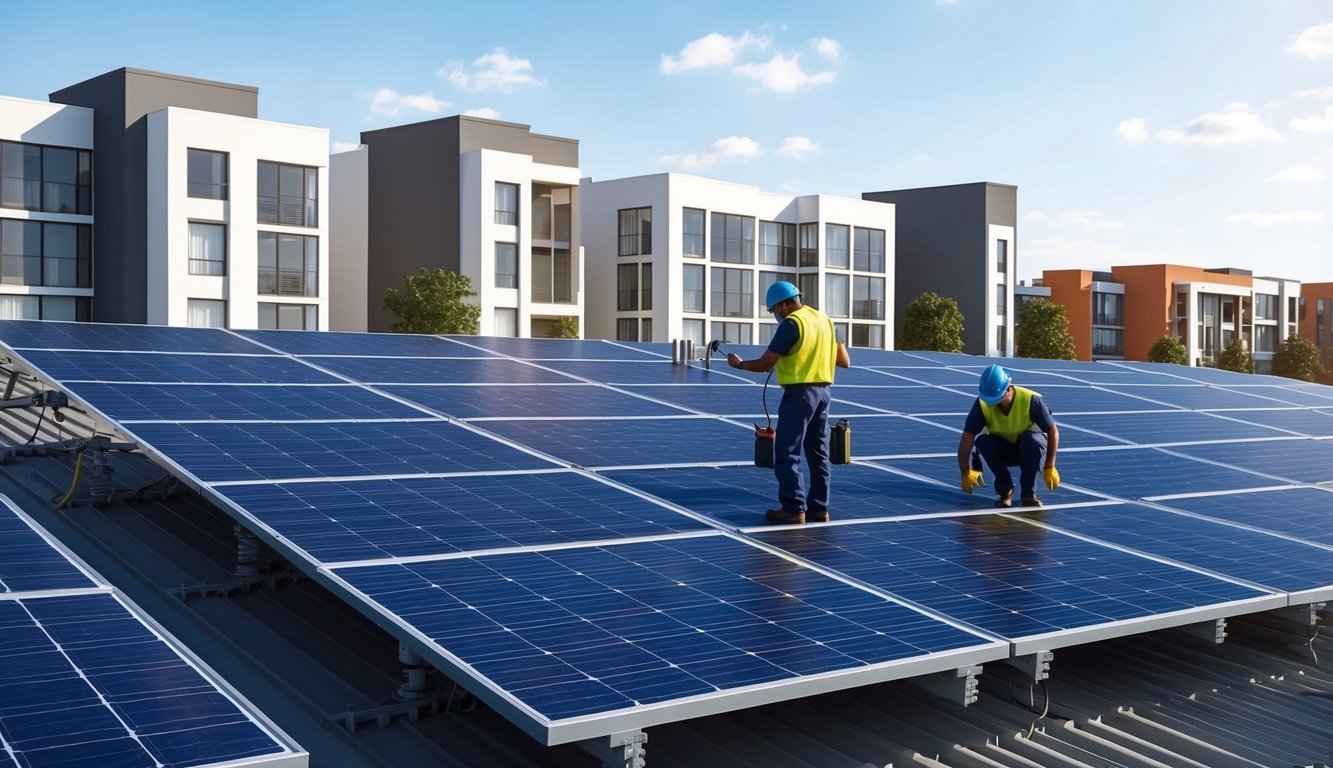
x: 1019, y: 431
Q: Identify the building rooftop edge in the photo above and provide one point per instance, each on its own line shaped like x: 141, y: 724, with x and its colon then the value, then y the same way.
x: 153, y: 73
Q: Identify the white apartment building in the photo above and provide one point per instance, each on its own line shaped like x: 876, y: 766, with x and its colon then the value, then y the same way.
x: 672, y: 256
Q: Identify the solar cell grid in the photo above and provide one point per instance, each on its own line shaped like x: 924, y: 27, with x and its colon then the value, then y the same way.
x: 1290, y: 395
x: 933, y: 375
x: 563, y: 349
x: 1074, y: 398
x: 34, y: 334
x: 632, y: 442
x: 167, y: 368
x: 883, y: 435
x: 192, y: 402
x: 721, y: 400
x: 484, y: 401
x: 1166, y: 427
x: 1200, y: 397
x: 1299, y: 421
x: 1301, y: 460
x: 29, y: 562
x: 1137, y: 473
x: 352, y: 344
x: 403, y: 370
x: 1302, y: 513
x: 652, y: 372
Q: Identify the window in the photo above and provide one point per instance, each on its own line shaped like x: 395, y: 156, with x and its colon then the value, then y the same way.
x: 1108, y: 309
x: 768, y: 278
x: 809, y: 245
x: 1265, y: 338
x: 692, y: 289
x: 50, y: 179
x: 506, y: 321
x: 732, y: 293
x: 1002, y: 339
x: 552, y: 275
x: 542, y: 218
x: 869, y: 336
x: 627, y: 329
x: 288, y: 317
x: 627, y: 288
x: 766, y: 331
x: 208, y: 249
x: 564, y: 223
x: 835, y: 295
x: 733, y: 239
x: 692, y: 235
x: 636, y: 232
x: 205, y: 313
x: 76, y: 308
x: 647, y: 330
x: 840, y: 332
x: 835, y: 245
x: 45, y: 254
x: 206, y: 174
x: 732, y: 333
x: 1002, y: 256
x: 506, y: 265
x: 506, y: 203
x: 808, y: 285
x: 1319, y: 323
x: 288, y: 265
x: 1001, y: 299
x: 777, y: 243
x: 1265, y: 306
x: 288, y: 195
x: 693, y: 330
x: 868, y: 253
x: 867, y: 298
x: 646, y: 285
x: 1108, y: 342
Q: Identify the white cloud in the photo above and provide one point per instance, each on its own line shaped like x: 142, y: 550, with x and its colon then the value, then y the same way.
x: 1133, y: 129
x: 1281, y: 218
x: 1235, y: 124
x: 1066, y: 253
x: 387, y: 101
x: 1090, y: 221
x: 1298, y: 174
x: 1318, y: 93
x: 798, y: 147
x: 1313, y: 42
x: 1315, y: 123
x: 485, y: 112
x: 828, y: 48
x: 711, y: 50
x: 783, y: 74
x: 343, y: 146
x: 729, y: 148
x: 496, y: 70
x: 1035, y: 215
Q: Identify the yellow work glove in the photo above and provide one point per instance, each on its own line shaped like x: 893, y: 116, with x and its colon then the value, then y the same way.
x: 1052, y: 477
x: 972, y: 479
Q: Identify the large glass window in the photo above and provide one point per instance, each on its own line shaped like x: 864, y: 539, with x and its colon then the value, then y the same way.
x: 693, y: 330
x: 1265, y: 306
x: 1108, y: 309
x: 646, y: 286
x: 627, y: 329
x: 552, y: 275
x: 835, y: 245
x: 288, y: 195
x: 732, y: 293
x: 288, y: 265
x: 205, y: 313
x: 647, y: 330
x: 1002, y: 256
x: 733, y: 333
x: 1108, y: 342
x: 636, y: 232
x: 506, y: 265
x: 777, y: 243
x: 208, y: 249
x: 809, y: 245
x: 1002, y: 339
x: 868, y: 298
x: 288, y: 317
x: 835, y: 295
x: 768, y: 278
x: 868, y: 250
x: 868, y: 336
x: 808, y: 285
x: 206, y: 174
x: 506, y: 203
x: 50, y: 179
x: 692, y: 235
x: 627, y: 288
x: 1265, y: 338
x: 1001, y: 298
x: 73, y: 308
x: 733, y: 239
x: 45, y: 253
x: 506, y: 321
x: 692, y: 288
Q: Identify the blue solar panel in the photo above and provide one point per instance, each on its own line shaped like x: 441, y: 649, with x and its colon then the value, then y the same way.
x: 368, y: 519
x: 738, y: 496
x: 193, y: 402
x: 1279, y: 564
x: 1006, y: 576
x: 1136, y: 473
x: 578, y: 632
x: 1070, y: 436
x: 1199, y: 397
x: 1306, y: 461
x: 945, y: 469
x: 1301, y: 421
x: 908, y: 399
x: 722, y: 400
x: 1188, y: 373
x: 228, y: 452
x: 1308, y: 395
x: 479, y: 400
x: 33, y: 334
x: 882, y: 435
x: 28, y: 562
x: 1166, y: 427
x: 1302, y: 513
x: 82, y: 683
x: 402, y: 370
x: 631, y: 442
x: 373, y: 344
x: 174, y: 368
x: 965, y: 381
x: 1062, y: 399
x: 563, y: 349
x: 652, y: 372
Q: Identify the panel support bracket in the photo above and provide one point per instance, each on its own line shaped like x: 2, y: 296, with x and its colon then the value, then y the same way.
x: 957, y: 685
x: 1214, y: 632
x: 1035, y: 666
x: 625, y: 749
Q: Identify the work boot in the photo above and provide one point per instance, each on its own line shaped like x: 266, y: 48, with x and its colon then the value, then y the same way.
x: 1031, y: 500
x: 813, y: 515
x: 1006, y: 499
x: 783, y: 517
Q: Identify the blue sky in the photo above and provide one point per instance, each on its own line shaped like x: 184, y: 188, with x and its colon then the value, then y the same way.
x: 1137, y: 131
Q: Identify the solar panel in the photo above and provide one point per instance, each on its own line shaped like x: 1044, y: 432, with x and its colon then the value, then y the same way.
x: 190, y: 402
x: 905, y: 399
x: 725, y: 400
x: 1200, y: 397
x: 528, y: 400
x: 28, y: 562
x: 1138, y: 473
x: 1074, y: 398
x: 147, y: 367
x: 1306, y: 461
x: 882, y: 435
x: 934, y: 375
x: 1166, y: 427
x: 36, y: 334
x: 369, y: 344
x: 630, y: 442
x: 1297, y: 421
x: 651, y: 372
x: 1301, y: 513
x: 945, y: 470
x: 428, y: 370
x: 1291, y: 395
x: 564, y: 349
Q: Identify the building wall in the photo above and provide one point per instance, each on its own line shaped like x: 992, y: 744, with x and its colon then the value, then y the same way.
x: 1316, y: 327
x: 1072, y: 289
x: 347, y: 240
x: 171, y: 133
x: 1150, y: 294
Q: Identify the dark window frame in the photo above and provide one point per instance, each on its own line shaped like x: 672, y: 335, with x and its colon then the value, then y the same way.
x: 281, y: 208
x: 634, y: 227
x: 41, y: 262
x: 82, y: 185
x: 273, y: 279
x: 219, y: 189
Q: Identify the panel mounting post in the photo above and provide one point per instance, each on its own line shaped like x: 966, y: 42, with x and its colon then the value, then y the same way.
x: 619, y: 750
x: 1036, y: 666
x: 957, y: 685
x: 1209, y: 631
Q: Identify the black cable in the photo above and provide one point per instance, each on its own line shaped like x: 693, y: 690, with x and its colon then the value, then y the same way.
x: 38, y: 428
x: 763, y: 398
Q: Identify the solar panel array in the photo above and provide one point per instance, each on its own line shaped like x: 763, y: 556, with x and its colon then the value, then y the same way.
x: 85, y: 680
x: 574, y: 529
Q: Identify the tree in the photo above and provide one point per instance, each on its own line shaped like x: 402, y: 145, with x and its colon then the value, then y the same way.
x: 932, y: 322
x: 563, y: 328
x: 1236, y: 357
x: 434, y: 301
x: 1042, y: 330
x: 1168, y: 349
x: 1297, y: 358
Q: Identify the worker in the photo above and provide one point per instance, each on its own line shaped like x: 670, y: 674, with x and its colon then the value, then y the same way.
x: 1020, y: 431
x: 805, y: 350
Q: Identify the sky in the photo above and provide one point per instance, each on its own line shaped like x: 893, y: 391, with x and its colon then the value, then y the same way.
x: 1194, y: 132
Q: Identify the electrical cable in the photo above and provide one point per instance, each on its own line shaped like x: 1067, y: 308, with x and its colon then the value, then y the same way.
x: 38, y: 428
x: 763, y: 398
x: 78, y: 470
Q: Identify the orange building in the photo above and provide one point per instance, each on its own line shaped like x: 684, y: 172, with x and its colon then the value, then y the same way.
x: 1118, y: 315
x: 1317, y: 322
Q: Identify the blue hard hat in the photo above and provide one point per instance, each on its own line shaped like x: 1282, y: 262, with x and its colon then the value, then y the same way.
x: 779, y: 292
x: 994, y: 383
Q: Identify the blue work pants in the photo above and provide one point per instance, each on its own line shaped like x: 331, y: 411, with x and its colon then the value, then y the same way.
x: 802, y: 426
x: 1028, y: 454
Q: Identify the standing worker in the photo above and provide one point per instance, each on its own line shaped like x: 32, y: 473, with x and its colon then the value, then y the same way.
x: 1020, y: 431
x: 805, y: 350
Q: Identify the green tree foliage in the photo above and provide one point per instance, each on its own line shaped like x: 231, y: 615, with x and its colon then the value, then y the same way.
x: 932, y: 322
x: 434, y: 301
x: 1168, y: 349
x: 1236, y: 357
x: 1042, y: 331
x: 563, y: 328
x: 1297, y: 358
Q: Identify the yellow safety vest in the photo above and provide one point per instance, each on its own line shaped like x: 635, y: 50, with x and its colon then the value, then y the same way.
x: 811, y: 359
x: 1016, y: 422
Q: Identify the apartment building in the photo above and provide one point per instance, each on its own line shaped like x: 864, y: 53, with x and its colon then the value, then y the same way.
x: 961, y: 242
x: 673, y: 256
x: 46, y: 206
x: 205, y: 215
x: 1316, y: 322
x: 1121, y: 313
x: 484, y: 198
